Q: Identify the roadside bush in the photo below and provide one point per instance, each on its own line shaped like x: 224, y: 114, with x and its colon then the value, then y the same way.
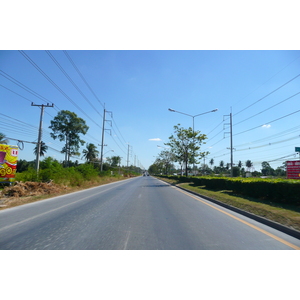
x: 276, y: 190
x: 29, y: 175
x: 88, y: 171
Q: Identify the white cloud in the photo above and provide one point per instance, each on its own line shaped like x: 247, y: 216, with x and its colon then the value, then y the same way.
x: 155, y: 139
x: 266, y: 126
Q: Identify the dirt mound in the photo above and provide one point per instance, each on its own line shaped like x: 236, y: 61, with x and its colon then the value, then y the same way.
x: 23, y: 189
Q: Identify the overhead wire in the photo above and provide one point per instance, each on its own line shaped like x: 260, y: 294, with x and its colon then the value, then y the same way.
x: 267, y: 95
x: 267, y: 109
x: 82, y: 77
x: 26, y: 88
x: 268, y: 80
x: 56, y: 86
x: 268, y: 122
x: 72, y: 82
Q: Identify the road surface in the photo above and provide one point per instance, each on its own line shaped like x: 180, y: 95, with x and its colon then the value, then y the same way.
x: 138, y: 213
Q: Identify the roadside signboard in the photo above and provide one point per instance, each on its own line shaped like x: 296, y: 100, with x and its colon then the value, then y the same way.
x: 8, y: 162
x: 293, y: 169
x: 297, y: 149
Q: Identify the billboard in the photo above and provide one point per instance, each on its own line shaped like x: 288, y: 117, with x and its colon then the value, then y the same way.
x: 8, y: 162
x: 293, y: 169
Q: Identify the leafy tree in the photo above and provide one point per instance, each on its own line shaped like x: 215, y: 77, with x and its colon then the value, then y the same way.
x: 3, y: 139
x: 236, y: 172
x: 43, y: 149
x: 266, y: 169
x: 166, y: 158
x: 185, y: 145
x: 67, y: 126
x: 24, y: 165
x: 115, y: 161
x: 157, y: 167
x: 90, y: 153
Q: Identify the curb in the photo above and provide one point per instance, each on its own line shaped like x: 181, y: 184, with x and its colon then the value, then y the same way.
x: 275, y: 225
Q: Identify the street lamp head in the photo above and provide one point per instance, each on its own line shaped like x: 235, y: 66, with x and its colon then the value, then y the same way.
x: 171, y: 110
x: 214, y: 110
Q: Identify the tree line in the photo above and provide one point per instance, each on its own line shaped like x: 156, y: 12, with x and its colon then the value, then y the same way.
x: 67, y: 127
x: 184, y: 148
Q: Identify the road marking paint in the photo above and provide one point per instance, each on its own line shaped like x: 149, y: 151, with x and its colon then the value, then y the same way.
x: 242, y: 221
x: 127, y: 239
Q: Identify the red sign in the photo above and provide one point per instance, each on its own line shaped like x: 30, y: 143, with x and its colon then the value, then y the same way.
x: 293, y: 169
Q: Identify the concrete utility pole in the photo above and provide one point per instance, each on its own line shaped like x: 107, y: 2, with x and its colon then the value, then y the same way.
x: 231, y: 144
x: 40, y: 133
x: 103, y: 131
x: 128, y: 155
x: 102, y: 143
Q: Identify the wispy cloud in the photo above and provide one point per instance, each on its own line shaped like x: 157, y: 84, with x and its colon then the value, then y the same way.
x: 266, y: 126
x: 155, y: 140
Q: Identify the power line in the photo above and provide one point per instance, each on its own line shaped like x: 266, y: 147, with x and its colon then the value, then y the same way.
x: 268, y: 94
x: 268, y: 122
x: 268, y: 108
x: 26, y: 88
x: 23, y: 97
x: 82, y: 77
x: 268, y: 80
x: 72, y: 82
x: 55, y: 85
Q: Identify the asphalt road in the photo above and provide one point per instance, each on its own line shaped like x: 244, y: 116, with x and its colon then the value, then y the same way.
x: 139, y: 213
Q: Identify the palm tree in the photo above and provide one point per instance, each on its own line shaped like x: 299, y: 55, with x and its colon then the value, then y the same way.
x: 90, y: 153
x: 222, y: 164
x: 3, y: 139
x: 249, y: 164
x: 240, y: 164
x: 211, y: 162
x: 43, y: 149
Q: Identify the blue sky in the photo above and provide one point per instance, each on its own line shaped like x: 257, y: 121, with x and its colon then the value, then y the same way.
x: 138, y: 87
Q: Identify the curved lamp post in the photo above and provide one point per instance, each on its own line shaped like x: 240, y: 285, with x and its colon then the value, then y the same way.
x: 172, y: 110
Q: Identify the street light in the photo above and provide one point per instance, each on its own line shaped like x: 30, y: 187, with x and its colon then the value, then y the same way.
x: 172, y: 110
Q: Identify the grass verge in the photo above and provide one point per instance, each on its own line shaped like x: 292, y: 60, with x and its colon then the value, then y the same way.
x: 287, y: 215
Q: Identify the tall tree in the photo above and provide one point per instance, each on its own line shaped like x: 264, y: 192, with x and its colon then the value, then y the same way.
x: 43, y: 149
x: 240, y: 164
x: 222, y: 164
x: 3, y: 139
x: 211, y: 162
x: 185, y: 145
x: 90, y: 153
x: 266, y: 168
x: 166, y: 157
x: 67, y: 126
x: 115, y: 161
x: 249, y: 164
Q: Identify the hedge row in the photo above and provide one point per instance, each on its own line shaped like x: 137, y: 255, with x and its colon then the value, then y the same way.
x: 277, y: 190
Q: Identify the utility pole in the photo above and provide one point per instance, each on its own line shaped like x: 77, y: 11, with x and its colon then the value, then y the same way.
x: 231, y: 144
x: 128, y: 156
x: 102, y: 143
x: 103, y: 131
x: 40, y: 133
